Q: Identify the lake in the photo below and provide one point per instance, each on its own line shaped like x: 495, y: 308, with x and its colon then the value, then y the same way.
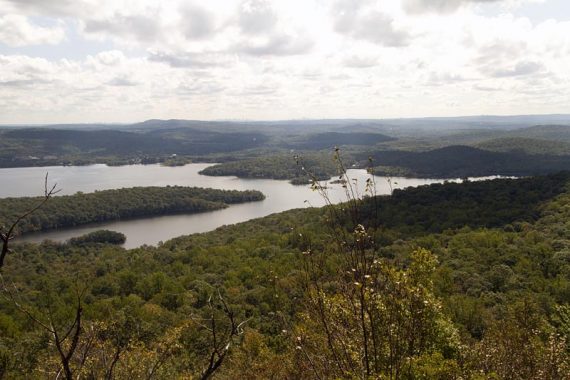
x: 280, y: 196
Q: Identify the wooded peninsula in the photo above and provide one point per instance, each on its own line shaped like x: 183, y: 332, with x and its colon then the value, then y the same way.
x: 128, y: 203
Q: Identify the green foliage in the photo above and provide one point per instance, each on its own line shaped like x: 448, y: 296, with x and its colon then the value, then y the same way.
x: 491, y: 204
x: 380, y: 325
x: 99, y: 237
x: 526, y: 145
x: 500, y: 286
x: 464, y: 161
x: 278, y: 167
x: 330, y: 140
x: 100, y: 206
x: 548, y: 132
x: 47, y: 146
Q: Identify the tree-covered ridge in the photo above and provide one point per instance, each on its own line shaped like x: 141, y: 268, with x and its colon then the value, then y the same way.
x: 532, y: 146
x: 285, y: 166
x: 99, y: 237
x: 500, y: 285
x: 444, y: 150
x: 108, y: 205
x: 464, y: 161
x: 476, y: 204
x: 548, y: 132
x: 329, y: 140
x: 448, y: 162
x: 47, y: 146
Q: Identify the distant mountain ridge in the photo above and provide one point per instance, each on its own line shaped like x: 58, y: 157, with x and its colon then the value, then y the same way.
x: 440, y: 123
x: 526, y: 145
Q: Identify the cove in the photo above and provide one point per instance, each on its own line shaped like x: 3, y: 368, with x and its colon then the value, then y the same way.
x: 280, y: 196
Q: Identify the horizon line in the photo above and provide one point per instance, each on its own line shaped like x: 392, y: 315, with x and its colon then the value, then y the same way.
x: 286, y: 120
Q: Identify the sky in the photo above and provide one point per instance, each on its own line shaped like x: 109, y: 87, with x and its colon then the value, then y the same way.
x: 121, y: 61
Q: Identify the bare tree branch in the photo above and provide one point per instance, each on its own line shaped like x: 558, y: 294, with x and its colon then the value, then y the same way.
x: 221, y: 347
x: 6, y: 235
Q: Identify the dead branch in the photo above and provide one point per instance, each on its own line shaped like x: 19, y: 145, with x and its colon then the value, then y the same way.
x: 6, y: 235
x: 221, y: 346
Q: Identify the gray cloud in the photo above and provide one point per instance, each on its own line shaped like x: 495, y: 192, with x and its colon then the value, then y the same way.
x: 356, y: 61
x: 259, y: 90
x: 189, y: 60
x: 197, y: 22
x: 122, y: 81
x: 17, y: 83
x: 486, y: 88
x: 143, y: 28
x: 51, y: 7
x: 439, y: 6
x: 200, y: 88
x: 27, y: 82
x: 500, y: 52
x: 276, y: 45
x: 504, y: 59
x: 444, y: 78
x: 373, y: 26
x: 520, y: 69
x: 256, y: 16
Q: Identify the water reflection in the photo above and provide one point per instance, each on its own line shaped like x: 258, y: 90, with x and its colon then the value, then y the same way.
x: 280, y: 196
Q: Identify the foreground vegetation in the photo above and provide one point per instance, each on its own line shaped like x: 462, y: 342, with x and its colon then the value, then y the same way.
x: 444, y: 281
x: 109, y: 205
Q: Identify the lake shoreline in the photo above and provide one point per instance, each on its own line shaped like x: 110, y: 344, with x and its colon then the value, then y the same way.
x: 280, y: 196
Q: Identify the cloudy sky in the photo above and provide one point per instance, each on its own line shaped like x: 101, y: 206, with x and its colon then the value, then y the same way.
x: 131, y: 60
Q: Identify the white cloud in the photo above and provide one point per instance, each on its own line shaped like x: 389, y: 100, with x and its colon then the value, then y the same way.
x: 191, y: 60
x: 56, y: 8
x: 110, y: 57
x: 257, y: 16
x: 447, y: 6
x: 361, y: 61
x: 275, y: 45
x: 277, y: 59
x: 521, y: 68
x: 16, y: 30
x: 197, y: 22
x: 420, y: 6
x: 360, y: 21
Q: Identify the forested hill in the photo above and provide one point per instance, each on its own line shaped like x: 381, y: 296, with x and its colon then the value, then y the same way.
x: 530, y: 146
x: 559, y: 132
x: 450, y: 162
x: 40, y: 146
x: 500, y: 285
x: 283, y: 166
x: 108, y: 205
x: 478, y: 204
x: 464, y: 161
x: 330, y: 140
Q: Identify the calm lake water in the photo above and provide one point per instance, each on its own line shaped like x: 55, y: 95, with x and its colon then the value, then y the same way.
x: 280, y: 196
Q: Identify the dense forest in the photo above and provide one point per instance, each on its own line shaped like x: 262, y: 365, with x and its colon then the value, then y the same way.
x: 526, y: 145
x: 285, y: 166
x: 444, y: 281
x: 329, y: 140
x: 448, y: 162
x: 41, y: 146
x: 464, y: 161
x: 127, y: 203
x: 99, y: 237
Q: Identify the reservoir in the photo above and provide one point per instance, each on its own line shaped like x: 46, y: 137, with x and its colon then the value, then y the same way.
x: 280, y: 196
